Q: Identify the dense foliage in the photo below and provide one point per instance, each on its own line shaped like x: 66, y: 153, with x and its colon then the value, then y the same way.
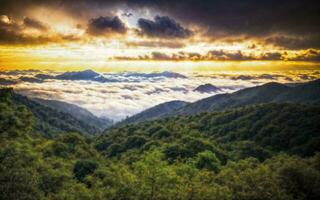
x: 230, y: 155
x: 77, y: 112
x: 258, y: 131
x: 50, y: 122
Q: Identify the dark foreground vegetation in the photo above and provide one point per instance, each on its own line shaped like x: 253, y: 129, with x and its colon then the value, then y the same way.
x: 257, y: 152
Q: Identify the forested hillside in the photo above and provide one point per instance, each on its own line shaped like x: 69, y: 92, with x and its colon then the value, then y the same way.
x: 155, y: 112
x: 77, y: 112
x: 259, y: 131
x: 306, y: 93
x: 50, y: 122
x: 267, y: 151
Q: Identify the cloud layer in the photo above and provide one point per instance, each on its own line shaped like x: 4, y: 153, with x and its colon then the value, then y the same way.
x: 222, y: 55
x: 134, y: 92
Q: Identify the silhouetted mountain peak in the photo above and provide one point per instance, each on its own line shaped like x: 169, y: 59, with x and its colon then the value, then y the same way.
x: 207, y: 88
x: 79, y: 75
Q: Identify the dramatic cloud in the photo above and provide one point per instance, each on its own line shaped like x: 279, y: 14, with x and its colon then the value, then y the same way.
x: 155, y: 44
x: 209, y: 56
x: 163, y: 27
x: 243, y: 17
x: 312, y: 55
x: 14, y: 32
x: 95, y: 31
x: 32, y: 23
x: 232, y: 17
x: 106, y: 25
x: 308, y: 55
x: 296, y: 42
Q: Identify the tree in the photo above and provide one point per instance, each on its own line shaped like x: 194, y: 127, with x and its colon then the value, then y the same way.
x: 207, y: 160
x: 82, y: 168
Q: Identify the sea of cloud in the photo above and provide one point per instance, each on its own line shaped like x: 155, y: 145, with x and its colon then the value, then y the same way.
x: 131, y: 93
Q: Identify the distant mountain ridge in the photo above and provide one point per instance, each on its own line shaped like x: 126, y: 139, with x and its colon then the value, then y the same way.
x: 268, y: 93
x: 305, y: 93
x: 207, y: 88
x: 78, y: 75
x: 90, y: 75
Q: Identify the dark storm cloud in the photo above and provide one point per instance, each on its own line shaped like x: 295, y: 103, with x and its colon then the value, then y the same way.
x: 76, y: 8
x: 246, y: 16
x: 298, y: 18
x: 301, y: 42
x: 33, y: 23
x: 163, y: 27
x: 233, y: 16
x: 105, y: 25
x: 294, y: 22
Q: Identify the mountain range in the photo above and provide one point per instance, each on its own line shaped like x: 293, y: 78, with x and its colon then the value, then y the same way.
x: 244, y: 145
x: 207, y: 88
x: 48, y: 112
x: 306, y: 93
x: 90, y: 75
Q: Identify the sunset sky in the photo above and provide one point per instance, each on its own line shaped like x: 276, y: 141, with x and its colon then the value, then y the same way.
x: 119, y: 35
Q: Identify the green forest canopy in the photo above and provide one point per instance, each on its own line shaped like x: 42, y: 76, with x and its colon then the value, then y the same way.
x: 266, y: 151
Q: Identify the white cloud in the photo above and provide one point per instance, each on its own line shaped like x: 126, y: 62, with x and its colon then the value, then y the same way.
x: 133, y: 94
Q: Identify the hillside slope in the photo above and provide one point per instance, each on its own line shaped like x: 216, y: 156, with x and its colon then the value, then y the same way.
x: 256, y: 130
x: 155, y: 112
x: 307, y: 93
x: 77, y: 112
x: 50, y: 122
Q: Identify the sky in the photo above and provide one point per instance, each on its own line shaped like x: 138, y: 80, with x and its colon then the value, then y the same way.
x: 119, y: 35
x: 230, y: 44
